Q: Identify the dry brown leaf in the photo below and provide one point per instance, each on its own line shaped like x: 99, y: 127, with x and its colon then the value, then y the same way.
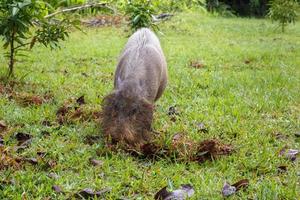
x: 183, y: 192
x: 3, y: 126
x: 23, y: 138
x: 57, y: 189
x: 96, y: 162
x: 211, y: 149
x: 88, y: 193
x: 26, y: 99
x: 81, y: 100
x: 228, y: 189
x: 7, y: 160
x: 241, y: 184
x: 198, y: 64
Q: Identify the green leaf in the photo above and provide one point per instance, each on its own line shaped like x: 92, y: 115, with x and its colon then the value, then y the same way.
x: 18, y: 40
x: 136, y: 18
x: 5, y: 45
x: 170, y: 185
x: 15, y: 11
x: 25, y: 3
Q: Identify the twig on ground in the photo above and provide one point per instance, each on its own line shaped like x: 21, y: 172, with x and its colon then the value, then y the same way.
x: 104, y: 5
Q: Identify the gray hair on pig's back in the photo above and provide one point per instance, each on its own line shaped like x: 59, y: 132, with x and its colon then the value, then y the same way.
x: 140, y: 79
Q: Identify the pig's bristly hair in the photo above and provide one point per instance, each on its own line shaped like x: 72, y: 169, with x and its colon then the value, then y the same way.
x: 127, y: 119
x: 140, y: 79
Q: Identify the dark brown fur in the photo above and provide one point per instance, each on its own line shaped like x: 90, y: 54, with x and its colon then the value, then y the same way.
x: 127, y: 120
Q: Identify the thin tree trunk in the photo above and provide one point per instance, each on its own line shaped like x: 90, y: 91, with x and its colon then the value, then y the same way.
x: 282, y: 27
x: 12, y: 55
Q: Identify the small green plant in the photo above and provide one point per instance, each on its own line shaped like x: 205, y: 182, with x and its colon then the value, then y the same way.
x: 219, y: 8
x: 23, y: 23
x: 283, y: 11
x: 182, y: 5
x: 212, y: 5
x: 140, y: 14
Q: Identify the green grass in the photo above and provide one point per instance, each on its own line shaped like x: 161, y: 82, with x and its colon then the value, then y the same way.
x: 245, y: 105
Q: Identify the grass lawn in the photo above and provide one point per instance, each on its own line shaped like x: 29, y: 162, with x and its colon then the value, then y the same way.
x: 247, y: 95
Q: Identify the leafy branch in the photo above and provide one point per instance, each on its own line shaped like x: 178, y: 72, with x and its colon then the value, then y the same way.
x: 23, y: 23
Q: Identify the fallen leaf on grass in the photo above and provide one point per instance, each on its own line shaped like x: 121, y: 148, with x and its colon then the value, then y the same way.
x: 3, y: 126
x: 282, y: 151
x: 290, y: 154
x: 51, y: 164
x: 26, y: 99
x: 41, y: 154
x: 231, y: 189
x: 1, y: 141
x: 32, y: 161
x: 176, y: 138
x: 57, y: 189
x: 198, y: 64
x: 173, y: 118
x: 182, y: 147
x: 173, y: 111
x: 23, y: 139
x: 81, y: 100
x: 96, y: 162
x: 228, y: 190
x: 247, y: 61
x: 279, y: 135
x: 61, y: 113
x: 202, y: 128
x: 53, y: 175
x: 7, y: 160
x: 183, y: 192
x: 241, y: 184
x: 282, y: 168
x: 211, y: 149
x: 89, y: 193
